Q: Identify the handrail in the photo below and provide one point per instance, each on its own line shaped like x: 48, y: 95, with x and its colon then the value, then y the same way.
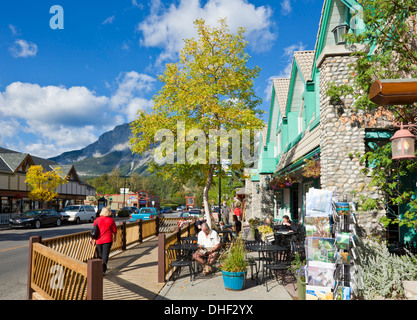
x: 70, y: 257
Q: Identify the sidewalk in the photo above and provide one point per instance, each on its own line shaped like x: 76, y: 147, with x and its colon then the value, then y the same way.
x: 211, y: 288
x: 132, y: 275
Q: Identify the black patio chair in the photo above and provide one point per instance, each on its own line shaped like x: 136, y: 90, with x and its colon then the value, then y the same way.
x: 258, y: 261
x: 279, y: 262
x: 180, y: 258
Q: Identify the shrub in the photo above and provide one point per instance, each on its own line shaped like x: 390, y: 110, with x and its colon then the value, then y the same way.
x: 383, y: 272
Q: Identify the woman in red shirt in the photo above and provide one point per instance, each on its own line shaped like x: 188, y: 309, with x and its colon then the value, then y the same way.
x: 237, y: 212
x: 107, y: 235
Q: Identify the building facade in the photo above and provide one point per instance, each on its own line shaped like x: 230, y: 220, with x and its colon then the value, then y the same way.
x: 310, y: 140
x: 14, y: 192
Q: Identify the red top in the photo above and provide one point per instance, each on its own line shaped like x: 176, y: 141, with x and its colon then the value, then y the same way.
x: 237, y: 212
x: 107, y: 227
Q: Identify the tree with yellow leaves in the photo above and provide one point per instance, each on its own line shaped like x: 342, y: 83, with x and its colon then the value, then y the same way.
x: 209, y: 92
x: 42, y: 184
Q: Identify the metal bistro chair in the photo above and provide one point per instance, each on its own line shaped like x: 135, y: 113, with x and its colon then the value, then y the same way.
x: 279, y: 263
x: 180, y: 258
x: 259, y: 260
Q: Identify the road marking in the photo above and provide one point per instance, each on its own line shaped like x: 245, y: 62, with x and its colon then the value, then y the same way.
x: 26, y: 245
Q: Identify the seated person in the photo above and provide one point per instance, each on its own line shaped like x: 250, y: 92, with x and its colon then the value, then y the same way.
x: 209, y: 244
x: 199, y: 222
x: 236, y: 225
x: 291, y: 226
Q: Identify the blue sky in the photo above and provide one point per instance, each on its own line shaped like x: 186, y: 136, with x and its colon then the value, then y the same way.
x: 60, y: 89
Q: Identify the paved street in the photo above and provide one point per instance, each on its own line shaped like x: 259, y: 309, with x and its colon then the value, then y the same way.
x: 14, y: 256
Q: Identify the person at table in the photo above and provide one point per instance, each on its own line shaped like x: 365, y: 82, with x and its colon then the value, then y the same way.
x: 236, y: 225
x: 291, y: 226
x: 199, y: 222
x: 209, y: 244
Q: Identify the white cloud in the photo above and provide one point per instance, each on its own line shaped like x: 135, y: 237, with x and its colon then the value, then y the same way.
x: 108, y: 20
x: 128, y: 97
x: 166, y: 27
x: 286, y: 7
x: 23, y: 49
x: 13, y: 29
x: 65, y: 118
x: 59, y: 119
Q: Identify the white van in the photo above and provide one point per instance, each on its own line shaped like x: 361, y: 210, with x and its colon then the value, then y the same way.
x: 77, y: 213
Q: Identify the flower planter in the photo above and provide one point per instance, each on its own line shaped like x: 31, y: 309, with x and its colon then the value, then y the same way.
x: 234, y: 280
x: 301, y: 289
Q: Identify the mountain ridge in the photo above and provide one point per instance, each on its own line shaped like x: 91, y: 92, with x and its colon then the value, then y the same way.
x: 111, y: 150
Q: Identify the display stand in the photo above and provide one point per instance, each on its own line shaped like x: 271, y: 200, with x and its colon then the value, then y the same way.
x: 330, y: 247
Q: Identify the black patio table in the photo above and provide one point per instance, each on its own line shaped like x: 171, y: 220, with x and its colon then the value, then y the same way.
x: 263, y: 249
x: 184, y: 249
x: 284, y: 238
x: 225, y: 232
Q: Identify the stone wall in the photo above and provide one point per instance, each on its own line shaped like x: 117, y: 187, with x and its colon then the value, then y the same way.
x: 341, y: 141
x: 258, y: 205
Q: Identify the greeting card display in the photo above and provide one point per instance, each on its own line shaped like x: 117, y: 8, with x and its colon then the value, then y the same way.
x: 318, y: 293
x: 317, y: 227
x: 321, y: 249
x: 318, y: 203
x: 320, y: 274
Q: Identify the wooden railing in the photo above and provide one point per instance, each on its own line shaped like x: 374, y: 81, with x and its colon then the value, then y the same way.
x: 55, y: 276
x: 64, y: 262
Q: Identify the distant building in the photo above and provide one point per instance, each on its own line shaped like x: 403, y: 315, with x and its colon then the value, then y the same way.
x: 14, y: 193
x: 132, y: 199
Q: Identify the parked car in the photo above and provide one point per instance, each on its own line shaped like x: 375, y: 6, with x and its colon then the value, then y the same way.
x: 78, y: 213
x: 181, y: 208
x: 190, y: 213
x: 36, y: 219
x: 166, y: 210
x: 131, y: 209
x: 144, y: 214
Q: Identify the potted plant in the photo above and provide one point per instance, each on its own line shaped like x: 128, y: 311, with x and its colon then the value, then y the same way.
x: 233, y: 265
x: 298, y: 269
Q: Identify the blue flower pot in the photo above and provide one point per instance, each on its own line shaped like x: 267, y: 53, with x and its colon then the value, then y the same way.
x: 234, y: 280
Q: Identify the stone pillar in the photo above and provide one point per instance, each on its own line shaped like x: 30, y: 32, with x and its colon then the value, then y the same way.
x: 341, y: 142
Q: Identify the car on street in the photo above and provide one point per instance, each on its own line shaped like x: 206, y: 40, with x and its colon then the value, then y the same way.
x: 181, y: 208
x: 36, y: 219
x: 166, y: 210
x: 77, y: 213
x: 131, y: 209
x: 191, y: 213
x: 145, y: 213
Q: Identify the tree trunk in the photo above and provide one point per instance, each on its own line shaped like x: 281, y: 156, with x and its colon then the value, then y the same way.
x: 205, y: 194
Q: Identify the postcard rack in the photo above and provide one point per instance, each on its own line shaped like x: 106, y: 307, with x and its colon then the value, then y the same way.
x: 330, y: 247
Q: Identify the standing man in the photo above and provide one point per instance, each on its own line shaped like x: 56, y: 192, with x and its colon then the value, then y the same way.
x: 225, y: 213
x: 209, y: 245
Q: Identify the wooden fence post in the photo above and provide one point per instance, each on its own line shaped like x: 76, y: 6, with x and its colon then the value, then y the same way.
x: 161, y: 258
x: 157, y: 220
x: 140, y: 231
x: 95, y: 279
x: 124, y: 234
x: 32, y: 240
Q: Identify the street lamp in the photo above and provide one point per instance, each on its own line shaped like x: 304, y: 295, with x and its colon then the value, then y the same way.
x: 340, y: 31
x: 403, y: 143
